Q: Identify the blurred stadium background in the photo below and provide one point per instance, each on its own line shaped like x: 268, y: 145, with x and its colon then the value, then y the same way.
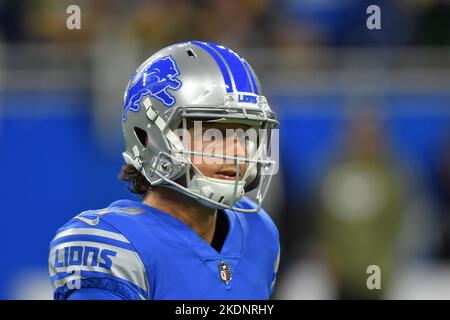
x: 365, y: 131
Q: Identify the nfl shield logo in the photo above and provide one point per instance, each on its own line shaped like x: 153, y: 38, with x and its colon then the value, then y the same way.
x: 225, y: 273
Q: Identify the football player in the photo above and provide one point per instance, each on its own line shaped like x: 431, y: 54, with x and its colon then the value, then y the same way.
x: 187, y: 114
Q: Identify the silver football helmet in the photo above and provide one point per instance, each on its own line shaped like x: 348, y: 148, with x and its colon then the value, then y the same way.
x: 202, y: 81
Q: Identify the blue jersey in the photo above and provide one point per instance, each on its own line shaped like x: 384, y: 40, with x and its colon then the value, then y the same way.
x: 130, y: 250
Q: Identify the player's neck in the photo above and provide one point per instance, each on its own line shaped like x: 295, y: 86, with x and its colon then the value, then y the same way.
x: 200, y: 218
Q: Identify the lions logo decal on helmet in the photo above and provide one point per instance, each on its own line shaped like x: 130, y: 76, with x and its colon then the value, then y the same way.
x: 155, y: 80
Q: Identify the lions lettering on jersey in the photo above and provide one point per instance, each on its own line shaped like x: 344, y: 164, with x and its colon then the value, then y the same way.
x: 83, y: 256
x: 99, y: 252
x: 139, y: 252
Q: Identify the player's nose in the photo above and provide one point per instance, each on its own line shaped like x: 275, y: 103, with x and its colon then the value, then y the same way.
x: 235, y: 147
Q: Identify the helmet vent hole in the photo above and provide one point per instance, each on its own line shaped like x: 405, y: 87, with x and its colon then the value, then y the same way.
x: 142, y: 136
x: 221, y: 199
x: 191, y: 53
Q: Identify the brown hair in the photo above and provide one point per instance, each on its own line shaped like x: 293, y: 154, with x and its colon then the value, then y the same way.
x: 137, y: 183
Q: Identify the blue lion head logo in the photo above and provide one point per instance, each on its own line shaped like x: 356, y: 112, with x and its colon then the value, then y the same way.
x: 155, y: 80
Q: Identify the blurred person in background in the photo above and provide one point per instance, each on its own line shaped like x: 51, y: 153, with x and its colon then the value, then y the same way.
x: 361, y: 207
x: 442, y: 185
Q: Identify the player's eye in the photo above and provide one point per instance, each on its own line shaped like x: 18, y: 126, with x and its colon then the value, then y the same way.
x: 212, y: 134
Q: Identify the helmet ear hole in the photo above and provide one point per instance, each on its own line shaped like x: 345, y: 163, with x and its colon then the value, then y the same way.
x: 142, y: 136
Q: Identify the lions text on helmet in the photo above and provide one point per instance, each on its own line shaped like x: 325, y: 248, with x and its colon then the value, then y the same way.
x: 198, y: 104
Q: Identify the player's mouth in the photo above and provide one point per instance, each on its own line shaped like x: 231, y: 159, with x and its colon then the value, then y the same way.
x: 226, y: 174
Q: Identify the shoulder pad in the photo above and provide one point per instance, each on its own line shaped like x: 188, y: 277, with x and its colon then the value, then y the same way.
x: 89, y: 253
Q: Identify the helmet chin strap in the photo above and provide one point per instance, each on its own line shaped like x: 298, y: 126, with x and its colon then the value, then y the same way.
x: 223, y: 191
